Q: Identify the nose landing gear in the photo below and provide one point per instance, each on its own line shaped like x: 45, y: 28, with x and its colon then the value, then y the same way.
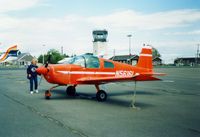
x: 48, y: 92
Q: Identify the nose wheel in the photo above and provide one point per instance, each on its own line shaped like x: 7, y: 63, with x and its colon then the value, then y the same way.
x: 47, y: 94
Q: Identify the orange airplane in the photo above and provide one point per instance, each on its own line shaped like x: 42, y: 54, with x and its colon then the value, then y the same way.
x: 89, y: 69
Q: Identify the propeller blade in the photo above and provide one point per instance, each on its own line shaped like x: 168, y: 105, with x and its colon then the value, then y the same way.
x: 48, y: 61
x: 41, y: 77
x: 40, y: 80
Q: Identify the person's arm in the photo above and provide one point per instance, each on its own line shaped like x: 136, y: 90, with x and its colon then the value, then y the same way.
x: 36, y: 72
x: 28, y: 72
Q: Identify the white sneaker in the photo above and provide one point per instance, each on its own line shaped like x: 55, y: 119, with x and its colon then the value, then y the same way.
x: 36, y: 91
x: 31, y: 92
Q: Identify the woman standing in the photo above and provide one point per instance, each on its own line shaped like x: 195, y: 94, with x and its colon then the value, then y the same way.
x: 32, y: 75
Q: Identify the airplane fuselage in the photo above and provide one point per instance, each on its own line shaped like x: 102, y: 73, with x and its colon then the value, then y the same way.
x: 64, y: 74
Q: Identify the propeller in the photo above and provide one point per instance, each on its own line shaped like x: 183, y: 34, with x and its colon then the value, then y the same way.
x: 42, y: 70
x: 48, y: 61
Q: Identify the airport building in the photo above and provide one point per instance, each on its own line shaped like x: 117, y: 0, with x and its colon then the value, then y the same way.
x: 100, y: 42
x: 128, y: 59
x: 187, y: 61
x: 157, y: 61
x: 21, y: 60
x: 133, y: 59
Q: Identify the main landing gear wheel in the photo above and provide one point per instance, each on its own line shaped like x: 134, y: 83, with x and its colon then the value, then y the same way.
x: 47, y: 94
x: 71, y: 91
x: 101, y: 95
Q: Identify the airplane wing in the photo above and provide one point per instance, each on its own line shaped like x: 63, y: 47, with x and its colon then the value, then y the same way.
x: 153, y: 74
x: 103, y: 80
x: 149, y: 76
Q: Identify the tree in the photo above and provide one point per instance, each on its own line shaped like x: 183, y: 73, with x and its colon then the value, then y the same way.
x: 55, y: 56
x: 155, y: 53
x: 40, y: 58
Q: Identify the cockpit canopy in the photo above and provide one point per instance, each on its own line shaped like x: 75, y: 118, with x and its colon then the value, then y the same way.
x: 87, y: 61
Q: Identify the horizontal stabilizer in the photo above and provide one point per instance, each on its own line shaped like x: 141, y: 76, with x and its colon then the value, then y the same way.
x: 153, y: 74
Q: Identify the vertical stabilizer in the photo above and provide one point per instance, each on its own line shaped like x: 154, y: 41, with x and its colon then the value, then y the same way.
x: 145, y: 58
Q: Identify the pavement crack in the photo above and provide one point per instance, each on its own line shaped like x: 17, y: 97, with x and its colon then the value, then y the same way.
x: 176, y: 92
x: 51, y: 119
x: 194, y: 130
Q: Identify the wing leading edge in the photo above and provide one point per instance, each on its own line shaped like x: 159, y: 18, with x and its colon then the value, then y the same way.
x: 103, y: 80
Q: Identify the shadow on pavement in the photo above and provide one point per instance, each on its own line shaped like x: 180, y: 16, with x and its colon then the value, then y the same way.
x: 61, y: 95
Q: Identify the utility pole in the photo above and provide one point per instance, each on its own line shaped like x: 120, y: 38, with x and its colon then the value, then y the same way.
x: 197, y: 54
x: 62, y: 50
x: 43, y: 55
x: 129, y: 36
x: 113, y: 52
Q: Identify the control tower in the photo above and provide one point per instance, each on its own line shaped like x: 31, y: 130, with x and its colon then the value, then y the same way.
x: 100, y: 42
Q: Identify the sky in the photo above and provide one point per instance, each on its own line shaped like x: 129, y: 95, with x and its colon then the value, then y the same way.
x: 171, y: 26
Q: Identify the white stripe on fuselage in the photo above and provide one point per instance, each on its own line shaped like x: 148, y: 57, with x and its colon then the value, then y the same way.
x: 87, y: 72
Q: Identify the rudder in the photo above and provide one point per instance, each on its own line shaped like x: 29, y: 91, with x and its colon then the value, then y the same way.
x: 145, y: 58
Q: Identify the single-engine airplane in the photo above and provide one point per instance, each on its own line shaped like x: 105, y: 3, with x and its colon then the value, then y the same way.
x: 89, y: 69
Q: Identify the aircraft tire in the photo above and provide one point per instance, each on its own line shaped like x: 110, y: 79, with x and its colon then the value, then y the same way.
x: 101, y: 95
x: 47, y: 97
x: 71, y: 91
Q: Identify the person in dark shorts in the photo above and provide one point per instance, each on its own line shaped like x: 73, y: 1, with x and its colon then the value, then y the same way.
x: 32, y: 76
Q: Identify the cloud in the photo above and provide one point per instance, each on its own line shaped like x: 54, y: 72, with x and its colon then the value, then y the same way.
x: 194, y: 32
x: 13, y: 5
x: 31, y: 33
x: 123, y: 21
x: 137, y: 20
x: 74, y: 32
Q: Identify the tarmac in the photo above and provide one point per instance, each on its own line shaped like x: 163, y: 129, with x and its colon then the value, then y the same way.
x: 168, y: 108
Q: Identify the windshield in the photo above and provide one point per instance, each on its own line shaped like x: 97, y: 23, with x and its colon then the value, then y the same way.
x: 87, y: 61
x: 78, y: 60
x: 92, y: 62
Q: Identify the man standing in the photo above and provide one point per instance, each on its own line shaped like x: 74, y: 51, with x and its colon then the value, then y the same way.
x: 32, y: 75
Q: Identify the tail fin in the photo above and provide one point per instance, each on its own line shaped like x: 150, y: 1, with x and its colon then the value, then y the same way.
x: 145, y: 58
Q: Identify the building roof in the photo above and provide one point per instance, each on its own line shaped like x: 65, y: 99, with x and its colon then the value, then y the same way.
x: 100, y: 32
x: 124, y: 57
x: 157, y: 59
x: 186, y: 58
x: 24, y: 56
x: 100, y: 35
x: 190, y: 59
